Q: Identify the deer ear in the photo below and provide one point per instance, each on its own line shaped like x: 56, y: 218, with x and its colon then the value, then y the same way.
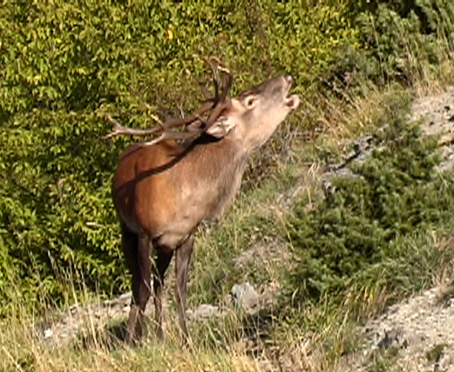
x: 221, y: 127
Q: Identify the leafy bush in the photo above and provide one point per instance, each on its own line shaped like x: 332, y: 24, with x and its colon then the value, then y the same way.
x: 63, y: 64
x: 402, y: 41
x: 395, y: 193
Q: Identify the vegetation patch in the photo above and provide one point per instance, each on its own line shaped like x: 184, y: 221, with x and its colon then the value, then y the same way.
x: 371, y: 219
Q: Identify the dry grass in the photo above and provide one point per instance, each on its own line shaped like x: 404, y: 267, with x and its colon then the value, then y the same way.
x: 23, y: 348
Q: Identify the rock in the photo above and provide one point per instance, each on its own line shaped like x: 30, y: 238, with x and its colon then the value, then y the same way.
x: 392, y: 337
x: 435, y: 111
x: 204, y: 311
x: 446, y: 362
x: 245, y: 296
x: 48, y: 333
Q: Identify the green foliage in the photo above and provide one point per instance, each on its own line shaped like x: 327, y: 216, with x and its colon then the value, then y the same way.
x: 395, y: 193
x: 434, y: 355
x: 406, y: 39
x: 64, y: 64
x: 307, y: 34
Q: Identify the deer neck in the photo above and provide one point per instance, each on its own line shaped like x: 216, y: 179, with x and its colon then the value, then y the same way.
x: 217, y: 168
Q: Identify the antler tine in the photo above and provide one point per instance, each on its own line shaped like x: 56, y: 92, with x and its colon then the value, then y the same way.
x: 205, y: 92
x: 118, y: 129
x: 223, y: 102
x: 215, y: 76
x: 172, y: 123
x: 211, y: 103
x: 219, y: 102
x: 169, y: 134
x: 228, y: 84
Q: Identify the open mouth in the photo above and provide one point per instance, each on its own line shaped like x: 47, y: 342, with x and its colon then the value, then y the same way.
x: 293, y: 101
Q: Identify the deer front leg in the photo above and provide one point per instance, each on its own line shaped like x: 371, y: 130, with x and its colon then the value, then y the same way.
x: 144, y: 285
x: 141, y: 287
x: 183, y: 257
x: 163, y: 258
x: 130, y: 244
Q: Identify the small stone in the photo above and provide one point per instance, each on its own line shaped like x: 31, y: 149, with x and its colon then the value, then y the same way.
x: 392, y: 336
x: 245, y: 296
x: 48, y: 333
x: 204, y: 311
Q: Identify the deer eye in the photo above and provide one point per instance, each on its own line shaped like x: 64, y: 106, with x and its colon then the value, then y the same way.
x: 250, y: 102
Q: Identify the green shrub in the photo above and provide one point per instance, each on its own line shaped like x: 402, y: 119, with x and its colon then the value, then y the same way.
x: 407, y: 41
x: 402, y: 41
x: 63, y: 64
x: 396, y: 192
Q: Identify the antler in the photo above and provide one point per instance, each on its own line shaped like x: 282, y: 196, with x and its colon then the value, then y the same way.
x: 119, y: 129
x: 215, y: 106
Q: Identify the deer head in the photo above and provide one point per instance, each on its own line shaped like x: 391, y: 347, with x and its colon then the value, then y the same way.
x: 254, y: 115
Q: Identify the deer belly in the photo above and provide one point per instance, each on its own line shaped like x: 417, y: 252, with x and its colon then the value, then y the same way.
x: 176, y: 232
x: 182, y: 224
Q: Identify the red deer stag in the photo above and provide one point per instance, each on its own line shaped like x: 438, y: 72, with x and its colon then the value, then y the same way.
x: 163, y: 189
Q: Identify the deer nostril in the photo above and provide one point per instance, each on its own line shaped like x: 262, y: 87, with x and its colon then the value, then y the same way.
x: 289, y: 79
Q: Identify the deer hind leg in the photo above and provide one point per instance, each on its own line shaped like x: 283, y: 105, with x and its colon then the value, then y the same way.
x: 130, y: 245
x: 183, y: 258
x: 137, y: 250
x: 163, y: 258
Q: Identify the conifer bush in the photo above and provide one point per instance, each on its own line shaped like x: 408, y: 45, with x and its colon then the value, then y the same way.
x: 396, y: 192
x: 406, y: 40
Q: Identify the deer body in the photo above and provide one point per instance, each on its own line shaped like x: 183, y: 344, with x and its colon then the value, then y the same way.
x: 163, y: 191
x: 166, y: 190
